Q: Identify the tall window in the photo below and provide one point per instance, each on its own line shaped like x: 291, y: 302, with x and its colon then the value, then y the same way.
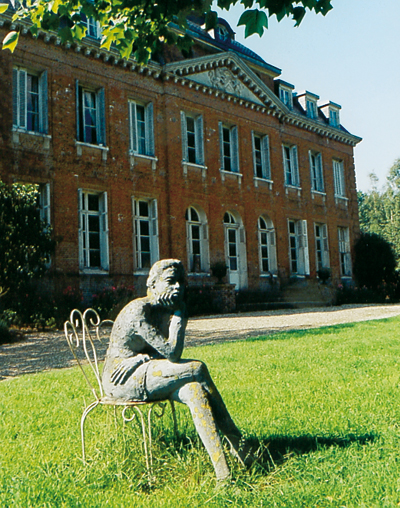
x: 229, y: 148
x: 192, y: 138
x: 197, y: 240
x: 298, y: 247
x: 90, y: 115
x: 266, y: 245
x: 93, y: 230
x: 321, y: 246
x: 344, y: 251
x: 30, y: 101
x: 338, y: 178
x: 145, y: 232
x: 141, y: 128
x: 317, y: 179
x: 235, y: 249
x: 262, y: 168
x: 291, y: 166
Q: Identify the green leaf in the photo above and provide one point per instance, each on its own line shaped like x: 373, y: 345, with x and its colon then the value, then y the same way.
x: 10, y: 41
x: 3, y: 8
x: 255, y: 21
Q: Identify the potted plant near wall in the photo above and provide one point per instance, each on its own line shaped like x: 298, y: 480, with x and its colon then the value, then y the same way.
x: 324, y: 274
x: 219, y: 270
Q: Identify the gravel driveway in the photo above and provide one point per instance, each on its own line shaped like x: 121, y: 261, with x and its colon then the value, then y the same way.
x: 39, y: 351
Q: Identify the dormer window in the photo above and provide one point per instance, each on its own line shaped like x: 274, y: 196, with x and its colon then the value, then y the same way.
x: 285, y: 92
x: 311, y: 109
x: 223, y: 33
x: 308, y: 102
x: 331, y: 112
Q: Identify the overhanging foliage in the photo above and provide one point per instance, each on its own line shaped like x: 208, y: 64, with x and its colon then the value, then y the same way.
x: 141, y: 27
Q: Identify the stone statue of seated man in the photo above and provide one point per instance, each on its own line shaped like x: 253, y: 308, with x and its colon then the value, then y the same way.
x: 143, y: 362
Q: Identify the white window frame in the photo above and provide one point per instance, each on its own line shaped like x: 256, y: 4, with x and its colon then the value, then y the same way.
x: 21, y: 100
x: 266, y: 245
x: 338, y: 178
x: 99, y: 124
x: 199, y: 223
x: 316, y: 170
x: 152, y: 220
x: 261, y: 164
x: 135, y: 146
x: 298, y: 248
x: 291, y: 165
x: 344, y: 251
x: 321, y: 246
x: 84, y: 234
x: 197, y: 138
x: 231, y: 145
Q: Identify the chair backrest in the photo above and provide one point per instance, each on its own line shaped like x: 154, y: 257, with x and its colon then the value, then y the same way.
x: 81, y: 331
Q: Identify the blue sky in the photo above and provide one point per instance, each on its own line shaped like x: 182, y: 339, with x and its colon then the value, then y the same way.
x: 348, y: 57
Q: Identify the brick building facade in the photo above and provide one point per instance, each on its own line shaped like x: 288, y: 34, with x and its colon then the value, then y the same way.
x: 205, y: 158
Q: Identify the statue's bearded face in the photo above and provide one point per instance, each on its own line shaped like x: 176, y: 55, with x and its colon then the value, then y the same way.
x: 167, y: 289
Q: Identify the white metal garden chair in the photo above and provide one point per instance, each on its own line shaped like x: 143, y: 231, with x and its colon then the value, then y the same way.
x: 81, y: 331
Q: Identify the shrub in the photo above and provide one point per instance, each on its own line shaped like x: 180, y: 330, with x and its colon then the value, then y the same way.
x: 374, y: 261
x: 110, y: 301
x: 4, y: 332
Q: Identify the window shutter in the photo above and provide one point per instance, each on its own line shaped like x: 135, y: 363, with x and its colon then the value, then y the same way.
x: 101, y: 117
x: 199, y: 140
x: 43, y: 104
x: 285, y: 164
x: 296, y: 177
x: 80, y: 228
x: 154, y: 253
x: 104, y: 232
x: 235, y: 148
x: 149, y: 126
x: 22, y: 98
x: 45, y: 203
x: 132, y: 124
x: 253, y: 145
x: 78, y: 111
x: 265, y: 157
x: 305, y: 248
x: 272, y: 252
x: 184, y: 137
x: 242, y: 238
x: 189, y: 245
x: 221, y: 144
x: 320, y: 179
x: 342, y: 185
x: 15, y: 95
x: 312, y: 170
x: 325, y: 246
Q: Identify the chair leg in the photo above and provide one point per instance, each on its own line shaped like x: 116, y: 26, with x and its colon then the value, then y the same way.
x: 174, y: 416
x: 84, y: 415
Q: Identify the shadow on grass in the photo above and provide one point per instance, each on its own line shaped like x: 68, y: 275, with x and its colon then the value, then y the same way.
x: 275, y: 450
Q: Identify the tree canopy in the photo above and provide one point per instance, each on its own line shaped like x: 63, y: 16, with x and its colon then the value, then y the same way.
x: 141, y: 27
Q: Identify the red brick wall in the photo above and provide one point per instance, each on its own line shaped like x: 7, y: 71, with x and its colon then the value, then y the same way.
x: 30, y: 161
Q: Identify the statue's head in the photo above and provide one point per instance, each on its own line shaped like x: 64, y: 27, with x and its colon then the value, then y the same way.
x: 165, y: 284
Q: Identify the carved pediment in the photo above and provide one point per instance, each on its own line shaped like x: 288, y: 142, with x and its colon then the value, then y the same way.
x: 225, y: 74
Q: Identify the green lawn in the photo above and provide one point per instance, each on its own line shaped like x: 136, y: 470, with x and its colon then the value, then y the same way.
x: 322, y: 405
